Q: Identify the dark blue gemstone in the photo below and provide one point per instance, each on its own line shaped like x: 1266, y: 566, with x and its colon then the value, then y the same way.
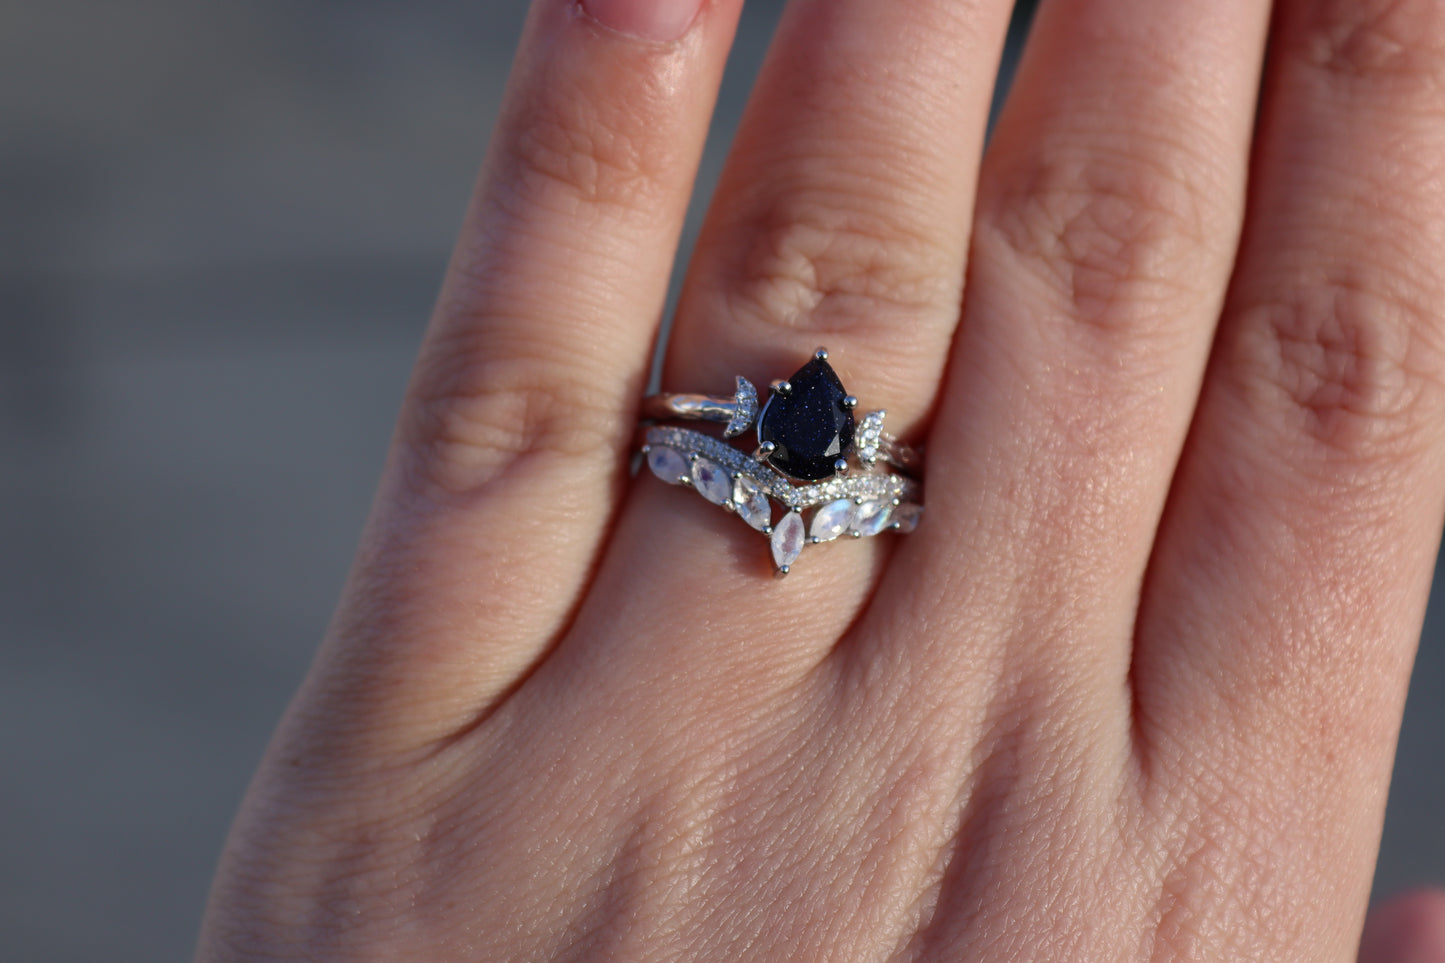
x: 810, y: 425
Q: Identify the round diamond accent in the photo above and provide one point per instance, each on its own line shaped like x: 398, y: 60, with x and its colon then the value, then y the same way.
x: 667, y: 464
x: 832, y: 520
x: 711, y: 481
x: 746, y: 400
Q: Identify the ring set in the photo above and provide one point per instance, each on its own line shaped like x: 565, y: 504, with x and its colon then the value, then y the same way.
x: 813, y: 455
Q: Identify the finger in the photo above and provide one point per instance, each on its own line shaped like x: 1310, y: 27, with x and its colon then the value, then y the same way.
x: 1289, y: 582
x: 841, y: 219
x: 1407, y: 929
x: 509, y: 454
x: 1110, y: 202
x: 842, y: 215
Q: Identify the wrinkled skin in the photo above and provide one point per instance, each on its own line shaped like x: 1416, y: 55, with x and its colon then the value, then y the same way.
x: 1131, y: 691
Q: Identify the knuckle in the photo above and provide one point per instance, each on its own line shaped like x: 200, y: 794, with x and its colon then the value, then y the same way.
x: 833, y: 270
x: 572, y: 147
x: 1214, y: 867
x: 1385, y: 39
x: 1353, y: 368
x: 471, y: 418
x: 1116, y: 239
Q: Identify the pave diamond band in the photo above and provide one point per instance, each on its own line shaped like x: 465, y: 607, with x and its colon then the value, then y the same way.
x: 690, y: 445
x: 809, y: 445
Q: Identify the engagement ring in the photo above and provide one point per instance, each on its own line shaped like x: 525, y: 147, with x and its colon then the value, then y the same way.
x: 813, y: 455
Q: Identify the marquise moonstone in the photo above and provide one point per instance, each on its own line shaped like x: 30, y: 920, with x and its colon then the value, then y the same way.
x: 833, y: 519
x: 711, y: 481
x: 810, y: 426
x: 872, y: 517
x: 667, y: 464
x: 752, y: 505
x: 905, y: 517
x: 787, y: 540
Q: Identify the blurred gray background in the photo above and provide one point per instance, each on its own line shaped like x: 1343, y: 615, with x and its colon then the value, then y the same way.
x: 222, y: 226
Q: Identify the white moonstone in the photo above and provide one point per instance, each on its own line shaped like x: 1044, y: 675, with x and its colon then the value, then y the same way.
x: 667, y: 464
x: 833, y: 519
x: 788, y: 540
x: 753, y: 506
x: 871, y: 517
x: 906, y: 517
x: 711, y: 481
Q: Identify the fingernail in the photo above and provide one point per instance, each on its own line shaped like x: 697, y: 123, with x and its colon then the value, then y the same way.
x: 656, y: 20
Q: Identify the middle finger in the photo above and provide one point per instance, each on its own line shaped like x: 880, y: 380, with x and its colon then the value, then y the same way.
x: 1113, y: 195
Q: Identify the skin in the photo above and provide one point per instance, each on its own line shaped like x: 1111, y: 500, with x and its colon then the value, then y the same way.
x: 1131, y: 691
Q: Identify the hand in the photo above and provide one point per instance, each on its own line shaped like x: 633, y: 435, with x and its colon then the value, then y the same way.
x: 1132, y: 689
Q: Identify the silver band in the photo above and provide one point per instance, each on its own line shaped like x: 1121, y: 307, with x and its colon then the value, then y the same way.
x: 693, y: 445
x: 696, y: 407
x: 858, y: 505
x: 737, y: 412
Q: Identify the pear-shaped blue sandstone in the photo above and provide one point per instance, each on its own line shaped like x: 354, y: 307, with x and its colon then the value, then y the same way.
x: 809, y: 425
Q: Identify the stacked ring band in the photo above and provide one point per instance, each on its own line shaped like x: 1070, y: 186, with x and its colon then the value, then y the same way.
x: 813, y: 456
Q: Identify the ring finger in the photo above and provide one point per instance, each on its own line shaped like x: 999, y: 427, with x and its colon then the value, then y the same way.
x: 1112, y: 198
x: 841, y: 220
